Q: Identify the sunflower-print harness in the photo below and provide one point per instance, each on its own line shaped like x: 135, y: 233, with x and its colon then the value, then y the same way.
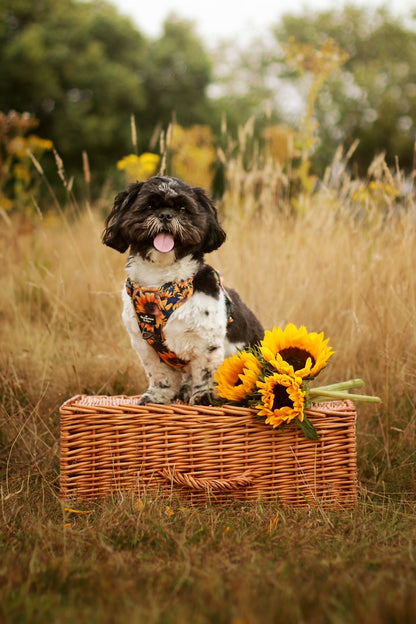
x: 154, y: 306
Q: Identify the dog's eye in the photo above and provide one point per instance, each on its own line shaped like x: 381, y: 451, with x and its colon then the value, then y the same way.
x: 182, y: 209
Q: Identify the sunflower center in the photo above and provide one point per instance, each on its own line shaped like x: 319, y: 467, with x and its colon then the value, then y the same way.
x: 150, y: 307
x: 281, y: 397
x: 296, y: 357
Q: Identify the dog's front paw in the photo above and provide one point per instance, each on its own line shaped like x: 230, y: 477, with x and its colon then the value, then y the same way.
x: 161, y: 393
x: 201, y: 398
x: 184, y: 393
x: 145, y: 399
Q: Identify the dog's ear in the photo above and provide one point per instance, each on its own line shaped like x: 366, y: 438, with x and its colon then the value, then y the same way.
x: 215, y: 234
x: 114, y: 234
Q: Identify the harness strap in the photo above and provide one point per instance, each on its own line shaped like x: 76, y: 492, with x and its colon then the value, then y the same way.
x: 154, y: 306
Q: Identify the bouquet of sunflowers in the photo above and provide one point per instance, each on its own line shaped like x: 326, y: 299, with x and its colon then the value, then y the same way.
x: 274, y: 377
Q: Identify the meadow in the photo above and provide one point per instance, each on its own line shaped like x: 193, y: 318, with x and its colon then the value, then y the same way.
x: 341, y: 260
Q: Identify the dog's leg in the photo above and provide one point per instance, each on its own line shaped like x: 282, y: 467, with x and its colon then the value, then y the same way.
x: 185, y: 390
x: 203, y: 369
x: 196, y: 333
x: 164, y: 381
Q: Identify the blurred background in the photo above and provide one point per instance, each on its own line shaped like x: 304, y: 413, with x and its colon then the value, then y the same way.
x: 91, y: 82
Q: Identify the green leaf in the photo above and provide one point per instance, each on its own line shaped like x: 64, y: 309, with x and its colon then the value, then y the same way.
x: 308, y: 429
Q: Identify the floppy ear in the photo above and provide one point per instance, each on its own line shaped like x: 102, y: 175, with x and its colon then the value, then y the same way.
x: 114, y: 234
x: 215, y: 234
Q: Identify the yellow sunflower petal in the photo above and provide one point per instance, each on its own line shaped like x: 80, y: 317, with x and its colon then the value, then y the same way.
x: 283, y: 399
x: 307, y: 353
x: 237, y: 376
x: 227, y: 378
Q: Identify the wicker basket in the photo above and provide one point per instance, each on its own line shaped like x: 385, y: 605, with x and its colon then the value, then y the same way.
x: 206, y: 453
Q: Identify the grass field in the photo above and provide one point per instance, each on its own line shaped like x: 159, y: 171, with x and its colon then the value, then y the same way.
x: 344, y: 267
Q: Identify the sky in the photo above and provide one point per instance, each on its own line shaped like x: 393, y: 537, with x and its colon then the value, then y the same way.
x: 237, y: 20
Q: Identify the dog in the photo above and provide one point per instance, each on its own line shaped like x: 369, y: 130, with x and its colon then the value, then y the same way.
x: 181, y: 319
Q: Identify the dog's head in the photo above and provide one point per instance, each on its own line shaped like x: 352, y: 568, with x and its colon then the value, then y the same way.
x: 163, y: 214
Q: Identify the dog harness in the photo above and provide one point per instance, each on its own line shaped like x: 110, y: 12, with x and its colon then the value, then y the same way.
x: 154, y: 306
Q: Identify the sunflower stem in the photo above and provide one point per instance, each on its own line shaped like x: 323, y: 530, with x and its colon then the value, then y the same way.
x: 327, y: 395
x: 317, y: 399
x: 343, y: 385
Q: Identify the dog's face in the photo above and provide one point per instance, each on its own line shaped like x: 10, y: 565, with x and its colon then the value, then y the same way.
x: 161, y: 215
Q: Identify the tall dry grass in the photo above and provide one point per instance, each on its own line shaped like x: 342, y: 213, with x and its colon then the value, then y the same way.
x: 328, y: 262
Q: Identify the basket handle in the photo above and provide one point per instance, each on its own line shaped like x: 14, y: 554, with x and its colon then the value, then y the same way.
x: 197, y: 483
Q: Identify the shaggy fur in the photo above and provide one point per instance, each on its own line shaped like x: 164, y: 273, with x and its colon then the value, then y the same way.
x: 199, y: 331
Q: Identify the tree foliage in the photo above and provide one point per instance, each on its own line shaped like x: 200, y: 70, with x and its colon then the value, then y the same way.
x: 83, y: 71
x: 372, y: 98
x: 177, y: 73
x: 74, y: 66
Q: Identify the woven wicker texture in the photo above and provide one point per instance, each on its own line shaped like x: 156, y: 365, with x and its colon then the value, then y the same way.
x: 206, y: 453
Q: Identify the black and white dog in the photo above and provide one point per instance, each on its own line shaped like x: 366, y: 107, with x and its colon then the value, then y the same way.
x: 181, y: 320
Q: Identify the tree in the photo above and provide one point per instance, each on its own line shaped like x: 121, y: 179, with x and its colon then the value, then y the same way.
x: 176, y: 77
x: 83, y: 70
x: 75, y: 66
x: 373, y: 96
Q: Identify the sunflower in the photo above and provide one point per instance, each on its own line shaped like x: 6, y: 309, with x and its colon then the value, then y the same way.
x: 283, y: 399
x: 147, y: 304
x: 237, y: 376
x: 295, y: 351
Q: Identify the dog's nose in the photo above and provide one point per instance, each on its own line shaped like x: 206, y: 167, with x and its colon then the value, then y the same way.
x: 165, y: 215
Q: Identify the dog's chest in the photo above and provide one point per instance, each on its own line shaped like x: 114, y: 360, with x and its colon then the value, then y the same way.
x: 200, y: 312
x: 198, y: 324
x: 154, y: 274
x: 187, y: 322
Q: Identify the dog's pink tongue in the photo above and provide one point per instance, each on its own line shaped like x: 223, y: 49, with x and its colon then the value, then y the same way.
x: 164, y: 242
